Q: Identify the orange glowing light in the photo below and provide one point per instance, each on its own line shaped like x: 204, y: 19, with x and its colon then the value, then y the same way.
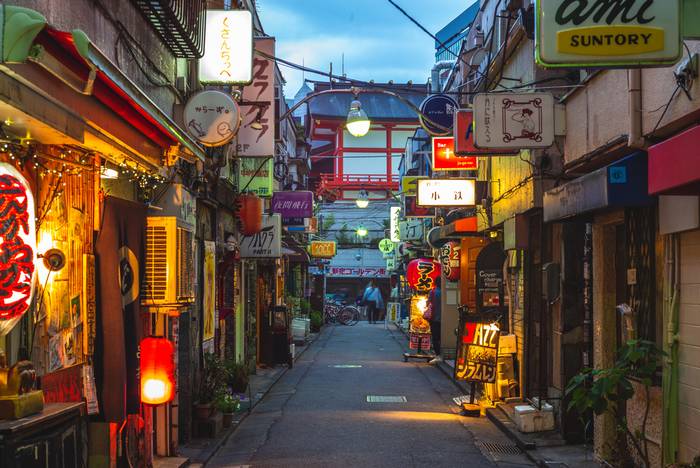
x: 157, y: 371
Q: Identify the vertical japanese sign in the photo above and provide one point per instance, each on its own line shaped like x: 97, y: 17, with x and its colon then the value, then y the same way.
x: 256, y: 137
x: 228, y: 49
x: 394, y: 218
x: 255, y: 175
x: 209, y: 282
x: 477, y: 354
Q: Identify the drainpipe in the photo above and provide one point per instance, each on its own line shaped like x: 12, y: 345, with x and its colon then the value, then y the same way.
x: 435, y: 74
x: 634, y: 86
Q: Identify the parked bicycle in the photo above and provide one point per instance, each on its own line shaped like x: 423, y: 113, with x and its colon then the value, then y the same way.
x: 340, y: 313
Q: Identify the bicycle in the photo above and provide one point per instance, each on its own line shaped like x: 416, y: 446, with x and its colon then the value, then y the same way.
x: 349, y: 315
x: 330, y: 312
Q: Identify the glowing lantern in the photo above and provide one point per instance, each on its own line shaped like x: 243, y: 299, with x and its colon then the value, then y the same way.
x: 449, y: 259
x: 157, y: 371
x: 422, y: 273
x: 250, y: 213
x: 17, y: 243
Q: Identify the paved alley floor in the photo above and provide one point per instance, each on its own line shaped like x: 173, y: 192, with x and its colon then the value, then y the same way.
x: 318, y: 414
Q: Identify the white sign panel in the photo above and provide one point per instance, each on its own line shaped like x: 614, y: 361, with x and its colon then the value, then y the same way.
x: 355, y: 272
x: 513, y: 121
x: 265, y: 244
x: 257, y: 135
x: 212, y: 117
x: 228, y: 49
x: 394, y: 217
x: 411, y: 230
x: 446, y: 192
x: 578, y: 33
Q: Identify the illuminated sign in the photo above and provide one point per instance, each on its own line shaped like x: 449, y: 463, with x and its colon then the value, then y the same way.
x: 322, y: 249
x: 477, y: 355
x: 386, y: 246
x: 450, y: 260
x: 17, y: 243
x: 394, y: 217
x: 411, y: 230
x: 581, y: 33
x: 513, y: 121
x: 255, y: 176
x: 228, y: 48
x: 446, y: 192
x: 464, y: 137
x: 422, y: 273
x: 445, y: 159
x: 439, y: 109
x: 418, y: 326
x: 212, y: 117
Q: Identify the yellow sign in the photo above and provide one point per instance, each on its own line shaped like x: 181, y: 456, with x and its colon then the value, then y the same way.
x: 323, y: 249
x: 409, y: 185
x: 610, y: 40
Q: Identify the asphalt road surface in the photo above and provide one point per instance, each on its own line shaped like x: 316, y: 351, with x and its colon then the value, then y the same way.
x: 318, y: 414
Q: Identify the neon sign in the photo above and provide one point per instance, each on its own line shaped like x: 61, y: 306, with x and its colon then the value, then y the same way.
x: 17, y: 243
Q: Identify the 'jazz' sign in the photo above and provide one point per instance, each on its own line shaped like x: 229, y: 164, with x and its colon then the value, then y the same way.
x: 607, y: 33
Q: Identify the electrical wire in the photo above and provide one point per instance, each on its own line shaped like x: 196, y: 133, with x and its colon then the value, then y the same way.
x: 668, y: 104
x: 257, y: 171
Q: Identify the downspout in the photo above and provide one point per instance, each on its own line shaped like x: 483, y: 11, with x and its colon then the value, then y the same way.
x: 671, y: 291
x: 635, y: 137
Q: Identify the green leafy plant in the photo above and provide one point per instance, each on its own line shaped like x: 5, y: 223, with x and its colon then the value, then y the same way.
x: 237, y: 375
x: 305, y: 306
x: 227, y: 403
x: 212, y: 379
x: 316, y: 320
x: 602, y: 390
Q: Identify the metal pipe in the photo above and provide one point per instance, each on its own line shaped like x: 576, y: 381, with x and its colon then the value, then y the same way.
x: 635, y: 137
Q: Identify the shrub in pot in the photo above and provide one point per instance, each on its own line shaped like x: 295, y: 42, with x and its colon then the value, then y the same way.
x: 212, y: 382
x: 237, y: 376
x: 227, y: 404
x: 316, y: 321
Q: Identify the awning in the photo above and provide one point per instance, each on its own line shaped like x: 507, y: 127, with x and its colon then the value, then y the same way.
x: 295, y: 254
x: 465, y: 227
x: 621, y: 184
x: 77, y: 62
x: 674, y: 165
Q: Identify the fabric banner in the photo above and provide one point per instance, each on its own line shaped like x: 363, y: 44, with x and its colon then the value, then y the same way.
x: 120, y: 327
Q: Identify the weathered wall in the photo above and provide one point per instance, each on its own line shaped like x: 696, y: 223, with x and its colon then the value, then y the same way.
x: 689, y: 348
x: 107, y: 24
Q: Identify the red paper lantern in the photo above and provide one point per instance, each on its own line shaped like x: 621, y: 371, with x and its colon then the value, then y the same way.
x: 422, y: 273
x: 449, y: 259
x: 250, y: 214
x: 157, y: 371
x: 17, y: 243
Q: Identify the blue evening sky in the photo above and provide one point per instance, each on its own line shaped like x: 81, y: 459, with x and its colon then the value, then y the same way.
x: 379, y: 43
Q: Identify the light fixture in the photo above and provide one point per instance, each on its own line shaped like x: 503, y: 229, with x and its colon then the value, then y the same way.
x: 108, y: 173
x: 54, y: 259
x: 362, y: 200
x: 257, y: 123
x: 357, y: 123
x: 157, y: 366
x: 362, y: 231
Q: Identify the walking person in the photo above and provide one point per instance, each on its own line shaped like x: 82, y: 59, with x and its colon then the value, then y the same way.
x: 372, y: 298
x: 435, y: 301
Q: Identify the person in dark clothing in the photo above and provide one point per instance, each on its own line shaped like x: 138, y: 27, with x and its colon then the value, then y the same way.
x: 372, y: 298
x: 435, y: 299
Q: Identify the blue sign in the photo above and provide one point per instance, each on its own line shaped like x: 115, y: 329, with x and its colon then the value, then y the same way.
x: 439, y: 109
x: 617, y: 175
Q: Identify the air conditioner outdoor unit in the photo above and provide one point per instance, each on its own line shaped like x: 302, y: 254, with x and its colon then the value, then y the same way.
x: 169, y: 269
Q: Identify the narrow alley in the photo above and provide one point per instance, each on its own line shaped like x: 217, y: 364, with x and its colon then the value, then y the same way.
x: 318, y: 413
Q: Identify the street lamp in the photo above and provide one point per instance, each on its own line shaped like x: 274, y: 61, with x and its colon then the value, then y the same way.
x: 362, y: 231
x: 357, y: 123
x: 362, y: 200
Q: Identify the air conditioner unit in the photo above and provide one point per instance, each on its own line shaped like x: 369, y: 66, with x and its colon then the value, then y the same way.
x: 169, y: 269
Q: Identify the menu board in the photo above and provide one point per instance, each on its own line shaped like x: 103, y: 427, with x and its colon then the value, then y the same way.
x: 419, y: 327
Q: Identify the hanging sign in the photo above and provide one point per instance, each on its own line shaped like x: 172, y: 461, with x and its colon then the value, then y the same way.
x: 265, y: 244
x: 445, y: 159
x: 411, y: 230
x: 323, y: 249
x: 228, y: 48
x: 464, y: 137
x: 394, y: 217
x: 440, y: 109
x: 513, y: 121
x: 477, y: 355
x: 446, y: 192
x: 422, y: 273
x: 17, y: 243
x: 449, y: 259
x: 256, y: 137
x: 255, y: 176
x: 409, y: 185
x: 582, y: 33
x: 293, y: 204
x: 386, y: 246
x: 212, y: 117
x: 391, y: 263
x: 413, y: 210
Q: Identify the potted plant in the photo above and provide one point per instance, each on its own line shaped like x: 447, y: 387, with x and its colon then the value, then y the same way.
x: 316, y: 321
x: 237, y: 376
x: 227, y: 404
x: 211, y: 383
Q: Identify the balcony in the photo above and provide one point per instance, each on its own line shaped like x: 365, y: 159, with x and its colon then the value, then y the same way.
x: 179, y: 23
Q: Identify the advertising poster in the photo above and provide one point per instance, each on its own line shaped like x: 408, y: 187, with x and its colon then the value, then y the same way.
x: 477, y: 353
x: 209, y: 290
x: 255, y: 176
